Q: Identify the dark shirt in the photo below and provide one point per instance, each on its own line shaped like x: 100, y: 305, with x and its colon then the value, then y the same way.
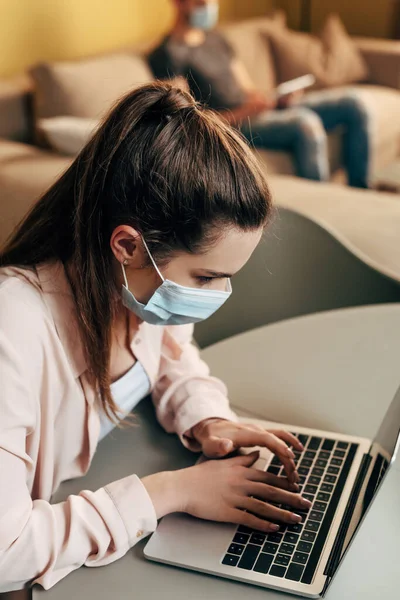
x: 207, y: 68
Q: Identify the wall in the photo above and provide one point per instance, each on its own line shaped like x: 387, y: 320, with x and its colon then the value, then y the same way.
x: 361, y: 17
x: 34, y: 30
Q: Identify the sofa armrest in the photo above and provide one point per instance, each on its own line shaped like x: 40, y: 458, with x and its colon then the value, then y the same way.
x: 383, y: 60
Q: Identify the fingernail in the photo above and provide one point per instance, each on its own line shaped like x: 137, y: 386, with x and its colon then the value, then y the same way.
x: 301, y: 447
x: 274, y: 527
x: 305, y: 502
x: 295, y: 518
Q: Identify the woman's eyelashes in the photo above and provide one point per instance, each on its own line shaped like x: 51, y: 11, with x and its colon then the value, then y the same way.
x: 203, y: 280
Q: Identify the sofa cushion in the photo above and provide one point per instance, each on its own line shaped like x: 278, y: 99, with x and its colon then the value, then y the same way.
x: 247, y: 39
x: 86, y: 88
x: 67, y: 135
x: 332, y: 57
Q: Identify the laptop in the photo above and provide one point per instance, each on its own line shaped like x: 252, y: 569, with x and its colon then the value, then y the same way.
x: 339, y: 474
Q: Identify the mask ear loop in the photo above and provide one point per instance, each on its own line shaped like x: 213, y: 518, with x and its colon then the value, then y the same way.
x: 152, y: 259
x: 124, y: 274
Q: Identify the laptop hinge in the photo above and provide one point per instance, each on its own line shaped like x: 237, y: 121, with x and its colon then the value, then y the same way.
x: 334, y: 557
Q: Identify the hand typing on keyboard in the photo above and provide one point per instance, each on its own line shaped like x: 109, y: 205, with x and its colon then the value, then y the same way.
x: 219, y: 438
x: 233, y: 491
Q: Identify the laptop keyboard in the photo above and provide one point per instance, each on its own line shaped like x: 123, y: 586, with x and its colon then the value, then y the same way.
x: 294, y: 551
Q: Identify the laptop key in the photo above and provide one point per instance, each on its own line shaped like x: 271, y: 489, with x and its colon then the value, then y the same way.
x: 236, y: 549
x: 330, y: 479
x: 277, y: 571
x: 323, y: 455
x: 294, y: 572
x: 257, y: 538
x: 315, y: 515
x: 333, y: 470
x: 270, y: 548
x: 309, y: 454
x: 342, y: 445
x: 318, y: 472
x: 300, y: 557
x: 291, y: 538
x: 231, y: 560
x: 314, y: 443
x: 275, y: 537
x: 339, y: 453
x: 312, y: 525
x: 336, y: 462
x: 263, y: 563
x: 308, y: 536
x: 244, y: 529
x: 321, y: 463
x: 276, y: 462
x: 323, y: 497
x: 282, y: 559
x: 306, y: 462
x: 328, y: 444
x: 326, y: 487
x: 310, y: 489
x: 309, y: 497
x: 286, y: 548
x: 241, y: 538
x: 313, y: 480
x: 249, y: 557
x: 303, y: 470
x: 304, y: 547
x: 320, y: 506
x: 296, y: 528
x: 303, y: 439
x: 273, y: 470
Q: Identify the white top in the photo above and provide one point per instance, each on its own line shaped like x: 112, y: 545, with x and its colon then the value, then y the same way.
x: 127, y: 392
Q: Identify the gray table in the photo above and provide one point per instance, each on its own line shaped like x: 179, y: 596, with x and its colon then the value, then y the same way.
x: 335, y: 370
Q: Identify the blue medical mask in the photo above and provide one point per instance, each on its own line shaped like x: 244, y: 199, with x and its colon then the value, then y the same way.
x: 174, y: 304
x: 205, y: 17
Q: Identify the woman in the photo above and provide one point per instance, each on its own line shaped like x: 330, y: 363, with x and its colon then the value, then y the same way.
x: 98, y: 289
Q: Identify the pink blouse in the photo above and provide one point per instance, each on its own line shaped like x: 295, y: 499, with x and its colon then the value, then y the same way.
x: 49, y: 428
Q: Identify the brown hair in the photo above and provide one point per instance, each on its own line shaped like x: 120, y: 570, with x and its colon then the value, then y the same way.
x: 159, y: 162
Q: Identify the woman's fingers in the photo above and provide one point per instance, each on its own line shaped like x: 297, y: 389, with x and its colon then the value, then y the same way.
x: 240, y: 517
x: 277, y: 496
x: 274, y: 480
x: 268, y: 511
x: 249, y: 437
x: 289, y: 438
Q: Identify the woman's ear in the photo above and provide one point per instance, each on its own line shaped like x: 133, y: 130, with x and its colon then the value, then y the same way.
x: 127, y: 246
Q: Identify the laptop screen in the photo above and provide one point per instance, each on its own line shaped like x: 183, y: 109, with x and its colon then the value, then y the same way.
x: 382, y: 452
x: 387, y: 437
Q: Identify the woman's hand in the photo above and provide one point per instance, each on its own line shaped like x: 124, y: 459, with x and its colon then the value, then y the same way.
x: 219, y: 438
x: 231, y: 491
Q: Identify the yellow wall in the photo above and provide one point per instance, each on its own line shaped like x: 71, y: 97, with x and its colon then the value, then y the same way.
x: 34, y: 30
x: 361, y: 17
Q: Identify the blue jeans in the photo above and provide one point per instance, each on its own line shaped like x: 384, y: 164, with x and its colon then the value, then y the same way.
x: 302, y: 130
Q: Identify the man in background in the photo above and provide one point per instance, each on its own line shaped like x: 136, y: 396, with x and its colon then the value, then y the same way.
x: 195, y: 50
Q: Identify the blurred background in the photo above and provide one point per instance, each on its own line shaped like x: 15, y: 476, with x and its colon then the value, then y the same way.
x: 35, y: 30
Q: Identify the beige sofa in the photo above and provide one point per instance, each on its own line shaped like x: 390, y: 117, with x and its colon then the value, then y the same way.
x: 27, y: 170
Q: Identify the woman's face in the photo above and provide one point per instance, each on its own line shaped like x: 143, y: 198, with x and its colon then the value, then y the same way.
x: 209, y: 270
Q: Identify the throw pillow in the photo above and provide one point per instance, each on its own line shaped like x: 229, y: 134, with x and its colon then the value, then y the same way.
x: 66, y: 135
x: 332, y: 57
x: 247, y: 39
x: 86, y: 88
